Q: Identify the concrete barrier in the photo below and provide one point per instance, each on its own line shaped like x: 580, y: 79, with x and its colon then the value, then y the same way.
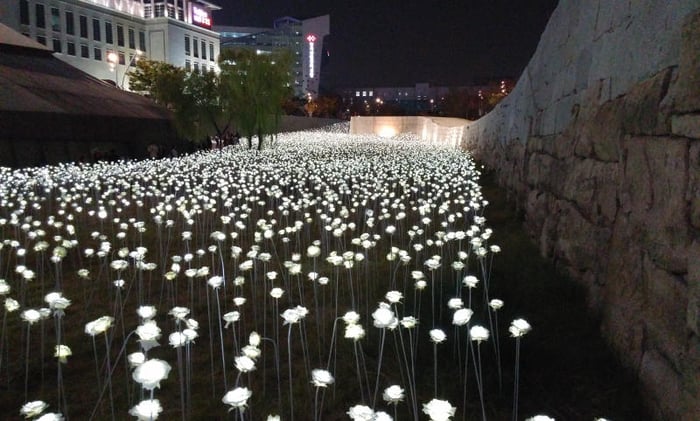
x: 438, y: 130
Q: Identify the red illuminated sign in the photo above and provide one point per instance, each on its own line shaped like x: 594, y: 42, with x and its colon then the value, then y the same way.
x: 311, y: 38
x: 201, y: 17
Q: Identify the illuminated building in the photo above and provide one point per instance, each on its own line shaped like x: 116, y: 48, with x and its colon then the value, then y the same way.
x: 105, y: 37
x: 302, y: 38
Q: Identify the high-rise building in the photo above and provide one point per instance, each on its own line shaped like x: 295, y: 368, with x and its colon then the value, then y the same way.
x: 104, y: 38
x: 302, y: 38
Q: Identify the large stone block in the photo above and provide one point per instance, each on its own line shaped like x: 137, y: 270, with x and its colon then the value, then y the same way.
x: 622, y: 321
x: 641, y: 114
x: 693, y: 311
x: 667, y: 236
x: 662, y: 384
x: 691, y: 381
x: 686, y: 92
x: 601, y: 136
x: 537, y: 215
x: 579, y: 242
x: 636, y: 192
x: 687, y: 125
x: 593, y: 186
x: 693, y: 192
x: 653, y: 194
x: 666, y: 296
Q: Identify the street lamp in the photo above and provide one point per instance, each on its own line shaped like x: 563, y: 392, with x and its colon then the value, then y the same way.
x: 113, y: 60
x: 134, y: 58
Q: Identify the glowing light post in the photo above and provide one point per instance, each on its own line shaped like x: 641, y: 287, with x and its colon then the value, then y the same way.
x: 311, y: 39
x: 134, y: 59
x: 113, y: 59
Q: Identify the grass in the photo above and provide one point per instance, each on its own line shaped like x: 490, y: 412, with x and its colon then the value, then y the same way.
x: 567, y: 370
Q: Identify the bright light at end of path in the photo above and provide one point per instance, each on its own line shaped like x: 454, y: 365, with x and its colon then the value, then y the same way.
x: 386, y: 131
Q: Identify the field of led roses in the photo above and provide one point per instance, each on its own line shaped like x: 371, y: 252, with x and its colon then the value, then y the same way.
x: 330, y: 277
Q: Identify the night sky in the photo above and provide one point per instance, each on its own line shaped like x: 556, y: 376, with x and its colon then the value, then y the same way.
x: 402, y: 42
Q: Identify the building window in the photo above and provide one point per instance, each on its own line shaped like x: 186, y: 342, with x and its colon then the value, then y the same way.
x: 204, y: 50
x: 142, y: 41
x: 180, y: 13
x: 211, y: 52
x: 159, y: 10
x: 122, y: 58
x: 40, y: 18
x: 108, y: 33
x: 55, y: 19
x: 195, y: 47
x: 97, y: 53
x: 24, y: 12
x: 196, y: 67
x: 120, y: 35
x: 70, y: 23
x: 132, y: 38
x: 171, y: 11
x: 188, y: 65
x: 83, y: 26
x: 57, y: 45
x: 357, y: 93
x: 96, y: 30
x: 187, y: 45
x: 147, y: 11
x: 84, y: 51
x: 70, y: 47
x: 41, y: 39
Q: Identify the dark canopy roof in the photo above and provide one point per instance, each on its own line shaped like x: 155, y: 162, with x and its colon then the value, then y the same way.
x: 51, y: 111
x: 31, y: 79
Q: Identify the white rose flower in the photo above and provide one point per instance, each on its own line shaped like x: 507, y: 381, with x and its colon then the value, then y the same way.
x: 519, y: 327
x: 361, y: 413
x: 237, y: 398
x: 496, y: 304
x: 393, y: 394
x: 462, y: 316
x: 439, y: 410
x: 384, y: 316
x: 146, y: 410
x: 437, y: 336
x: 244, y: 363
x: 99, y: 325
x: 151, y: 373
x: 33, y: 408
x: 321, y: 378
x: 393, y: 296
x: 478, y: 333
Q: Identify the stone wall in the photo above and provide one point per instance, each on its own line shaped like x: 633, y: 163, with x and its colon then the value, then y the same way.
x: 600, y: 144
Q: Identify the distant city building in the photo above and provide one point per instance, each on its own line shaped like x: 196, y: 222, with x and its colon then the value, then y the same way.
x: 105, y: 37
x: 414, y: 99
x: 422, y: 98
x: 303, y: 39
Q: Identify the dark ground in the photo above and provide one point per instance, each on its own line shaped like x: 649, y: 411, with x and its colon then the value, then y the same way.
x: 567, y: 370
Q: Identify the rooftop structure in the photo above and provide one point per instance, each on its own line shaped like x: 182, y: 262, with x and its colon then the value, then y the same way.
x: 302, y: 38
x: 105, y: 37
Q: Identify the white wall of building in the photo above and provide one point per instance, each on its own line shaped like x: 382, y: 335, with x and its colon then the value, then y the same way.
x: 319, y: 27
x: 163, y: 37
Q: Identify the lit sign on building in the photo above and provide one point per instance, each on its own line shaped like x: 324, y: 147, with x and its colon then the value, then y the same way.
x: 311, y: 39
x: 201, y: 17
